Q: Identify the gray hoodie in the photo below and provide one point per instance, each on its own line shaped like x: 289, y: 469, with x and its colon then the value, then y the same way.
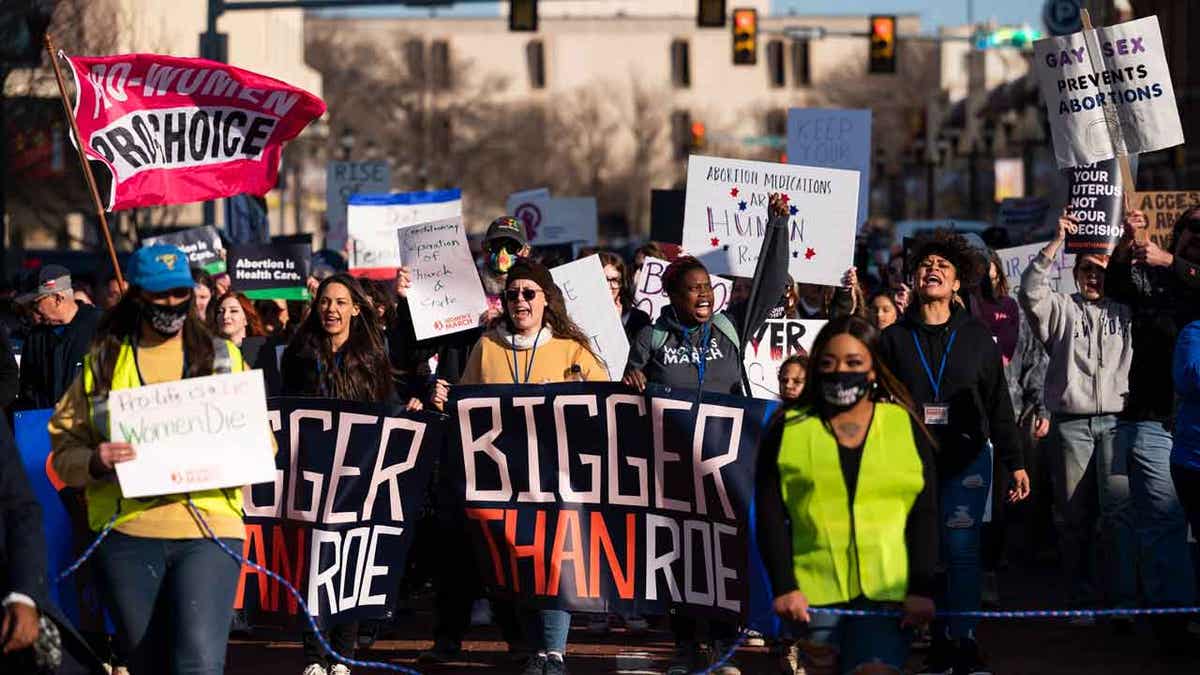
x: 1089, y: 344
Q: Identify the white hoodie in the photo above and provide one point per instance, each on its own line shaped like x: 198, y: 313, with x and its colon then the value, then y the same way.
x: 1089, y: 344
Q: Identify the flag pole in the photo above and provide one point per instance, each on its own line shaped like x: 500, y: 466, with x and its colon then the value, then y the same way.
x: 83, y: 161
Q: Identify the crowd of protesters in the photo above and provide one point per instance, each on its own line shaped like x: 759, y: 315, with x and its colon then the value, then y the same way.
x: 931, y: 405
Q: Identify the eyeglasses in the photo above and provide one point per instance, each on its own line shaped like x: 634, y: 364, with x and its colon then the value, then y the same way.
x: 509, y: 245
x: 528, y: 294
x: 614, y: 282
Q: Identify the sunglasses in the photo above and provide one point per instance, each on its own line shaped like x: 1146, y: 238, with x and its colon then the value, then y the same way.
x: 528, y: 294
x: 512, y: 247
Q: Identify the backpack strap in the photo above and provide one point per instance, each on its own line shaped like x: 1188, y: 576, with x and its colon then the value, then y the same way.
x: 725, y: 327
x: 658, y: 338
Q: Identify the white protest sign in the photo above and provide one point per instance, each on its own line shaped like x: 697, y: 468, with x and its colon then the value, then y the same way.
x: 1015, y: 260
x: 373, y: 220
x: 650, y: 295
x: 446, y: 295
x: 194, y: 434
x: 833, y: 138
x: 343, y: 179
x: 725, y: 216
x: 590, y: 305
x: 768, y: 348
x: 517, y: 202
x: 559, y: 220
x: 1108, y: 92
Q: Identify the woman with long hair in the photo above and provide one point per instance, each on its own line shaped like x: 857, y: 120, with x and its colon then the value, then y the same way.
x: 949, y: 362
x: 534, y: 342
x: 846, y: 510
x: 632, y: 318
x: 233, y: 317
x: 338, y: 351
x: 882, y: 309
x: 156, y: 561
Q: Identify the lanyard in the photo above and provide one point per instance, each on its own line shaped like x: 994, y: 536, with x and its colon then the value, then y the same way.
x: 705, y: 337
x: 529, y: 363
x: 936, y: 384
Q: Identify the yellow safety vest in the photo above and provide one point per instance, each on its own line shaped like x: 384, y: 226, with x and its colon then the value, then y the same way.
x: 841, y: 552
x: 104, y: 497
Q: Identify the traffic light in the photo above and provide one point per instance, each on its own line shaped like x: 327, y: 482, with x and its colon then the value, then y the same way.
x: 710, y: 14
x: 523, y: 15
x: 883, y: 44
x: 745, y: 37
x: 22, y: 25
x: 697, y: 136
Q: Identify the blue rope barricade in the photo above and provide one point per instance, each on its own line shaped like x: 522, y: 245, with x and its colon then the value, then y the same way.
x: 829, y: 611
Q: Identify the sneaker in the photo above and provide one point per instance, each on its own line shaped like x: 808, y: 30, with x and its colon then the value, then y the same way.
x: 727, y: 666
x: 339, y: 669
x: 597, y: 624
x: 636, y: 625
x: 969, y: 659
x: 315, y: 669
x: 481, y: 613
x: 536, y: 665
x: 555, y: 665
x: 441, y: 653
x: 786, y: 658
x: 755, y: 639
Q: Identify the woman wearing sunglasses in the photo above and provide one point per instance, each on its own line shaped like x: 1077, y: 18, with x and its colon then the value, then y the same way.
x: 535, y: 342
x: 156, y: 560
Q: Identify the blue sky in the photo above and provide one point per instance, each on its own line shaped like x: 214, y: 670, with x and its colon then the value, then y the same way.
x: 933, y: 12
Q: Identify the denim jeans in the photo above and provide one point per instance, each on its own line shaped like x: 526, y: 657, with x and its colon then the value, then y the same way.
x: 847, y: 642
x: 1091, y: 486
x: 962, y: 499
x: 171, y: 601
x: 546, y: 629
x: 1166, y: 568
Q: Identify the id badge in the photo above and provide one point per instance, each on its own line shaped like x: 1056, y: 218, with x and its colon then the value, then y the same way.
x: 937, y: 414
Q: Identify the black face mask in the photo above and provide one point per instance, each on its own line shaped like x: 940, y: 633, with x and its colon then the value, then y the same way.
x: 843, y: 390
x: 166, y: 320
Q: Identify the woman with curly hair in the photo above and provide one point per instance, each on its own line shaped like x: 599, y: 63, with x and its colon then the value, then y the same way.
x: 949, y: 362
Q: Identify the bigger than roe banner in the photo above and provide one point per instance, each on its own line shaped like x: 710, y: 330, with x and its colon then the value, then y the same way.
x: 591, y: 497
x: 174, y: 130
x: 337, y: 521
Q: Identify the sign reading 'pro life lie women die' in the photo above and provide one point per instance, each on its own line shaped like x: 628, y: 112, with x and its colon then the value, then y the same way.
x: 725, y: 216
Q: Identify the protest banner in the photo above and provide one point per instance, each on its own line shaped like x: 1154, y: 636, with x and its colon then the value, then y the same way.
x: 559, y: 220
x: 518, y: 202
x: 246, y: 220
x: 270, y: 271
x: 1096, y: 201
x: 1108, y: 92
x: 193, y: 434
x: 372, y: 222
x: 650, y: 295
x: 201, y: 244
x: 1163, y: 210
x: 591, y: 497
x: 725, y: 216
x: 172, y: 130
x: 835, y: 139
x: 770, y: 346
x: 343, y: 179
x: 1016, y: 259
x: 336, y: 519
x: 446, y: 295
x: 590, y: 305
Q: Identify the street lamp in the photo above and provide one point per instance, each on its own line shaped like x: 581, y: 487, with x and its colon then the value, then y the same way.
x: 346, y: 141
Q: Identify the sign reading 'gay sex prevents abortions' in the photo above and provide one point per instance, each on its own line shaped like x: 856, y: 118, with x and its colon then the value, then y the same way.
x: 725, y: 216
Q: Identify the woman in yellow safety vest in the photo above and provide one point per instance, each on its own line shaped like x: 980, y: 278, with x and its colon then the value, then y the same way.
x: 156, y: 562
x: 847, y: 515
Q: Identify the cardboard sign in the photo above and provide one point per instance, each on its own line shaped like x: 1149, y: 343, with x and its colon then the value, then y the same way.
x: 1014, y: 261
x: 373, y: 220
x: 518, y: 201
x: 201, y: 244
x: 559, y: 220
x: 194, y: 434
x: 770, y: 346
x: 1096, y: 201
x: 650, y: 295
x: 1108, y: 92
x: 1163, y: 210
x: 725, y: 217
x: 270, y: 271
x: 590, y: 305
x: 836, y: 139
x: 343, y: 179
x: 446, y: 295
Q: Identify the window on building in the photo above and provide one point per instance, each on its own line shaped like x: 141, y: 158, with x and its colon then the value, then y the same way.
x: 777, y: 122
x: 535, y: 59
x: 801, y: 75
x: 681, y: 133
x: 775, y: 63
x: 439, y: 57
x: 414, y: 58
x: 681, y: 66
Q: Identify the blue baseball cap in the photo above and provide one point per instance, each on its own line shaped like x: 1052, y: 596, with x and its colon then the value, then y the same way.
x: 159, y: 268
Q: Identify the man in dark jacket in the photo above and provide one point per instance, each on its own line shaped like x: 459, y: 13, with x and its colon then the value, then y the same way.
x: 53, y: 353
x: 1162, y: 288
x: 951, y: 365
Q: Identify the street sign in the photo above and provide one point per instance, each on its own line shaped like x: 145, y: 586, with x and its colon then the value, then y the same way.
x: 1062, y: 17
